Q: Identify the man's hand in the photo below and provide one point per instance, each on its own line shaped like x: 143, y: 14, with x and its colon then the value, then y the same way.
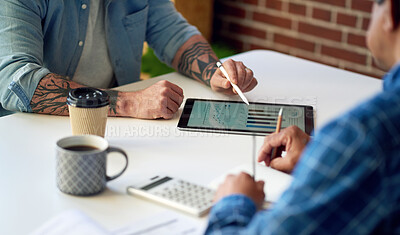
x: 242, y: 184
x: 196, y: 59
x: 293, y: 140
x: 239, y: 74
x: 161, y: 100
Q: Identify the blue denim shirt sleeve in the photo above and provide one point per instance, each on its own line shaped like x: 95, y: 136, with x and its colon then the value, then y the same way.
x: 21, y: 53
x: 167, y: 30
x: 231, y: 215
x: 31, y: 33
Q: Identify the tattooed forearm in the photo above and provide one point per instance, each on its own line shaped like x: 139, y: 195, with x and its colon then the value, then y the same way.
x: 197, y: 59
x: 51, y: 95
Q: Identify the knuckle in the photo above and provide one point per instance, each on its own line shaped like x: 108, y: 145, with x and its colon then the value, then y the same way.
x: 163, y: 101
x: 251, y: 74
x: 291, y: 129
x: 164, y: 91
x: 164, y: 82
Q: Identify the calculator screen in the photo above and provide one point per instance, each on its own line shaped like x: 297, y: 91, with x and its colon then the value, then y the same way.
x: 158, y: 182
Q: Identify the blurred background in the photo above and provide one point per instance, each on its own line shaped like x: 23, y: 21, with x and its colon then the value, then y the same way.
x: 331, y: 32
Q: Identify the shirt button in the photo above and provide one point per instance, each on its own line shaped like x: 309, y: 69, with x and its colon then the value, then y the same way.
x: 84, y: 6
x: 80, y: 43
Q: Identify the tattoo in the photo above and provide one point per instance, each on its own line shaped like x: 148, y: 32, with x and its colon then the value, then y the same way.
x: 51, y: 95
x: 113, y: 94
x: 198, y: 62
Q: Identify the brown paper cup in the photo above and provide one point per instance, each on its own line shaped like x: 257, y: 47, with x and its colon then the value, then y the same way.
x: 88, y: 121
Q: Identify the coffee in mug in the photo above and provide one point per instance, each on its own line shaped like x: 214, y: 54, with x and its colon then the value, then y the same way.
x: 88, y: 111
x: 81, y: 164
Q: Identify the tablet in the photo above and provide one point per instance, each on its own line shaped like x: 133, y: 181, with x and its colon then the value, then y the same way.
x: 235, y: 117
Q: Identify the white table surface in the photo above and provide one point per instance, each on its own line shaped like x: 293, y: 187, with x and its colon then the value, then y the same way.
x: 29, y: 196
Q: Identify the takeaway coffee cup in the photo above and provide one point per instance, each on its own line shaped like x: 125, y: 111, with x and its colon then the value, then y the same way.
x: 81, y: 164
x: 88, y: 110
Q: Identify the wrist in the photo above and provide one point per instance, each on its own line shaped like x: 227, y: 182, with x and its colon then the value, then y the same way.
x: 123, y: 104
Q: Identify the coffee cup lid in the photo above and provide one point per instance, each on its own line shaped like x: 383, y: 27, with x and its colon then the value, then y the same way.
x: 88, y: 97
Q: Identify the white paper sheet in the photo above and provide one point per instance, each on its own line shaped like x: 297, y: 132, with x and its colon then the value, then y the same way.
x: 168, y: 222
x: 72, y: 222
x: 276, y: 182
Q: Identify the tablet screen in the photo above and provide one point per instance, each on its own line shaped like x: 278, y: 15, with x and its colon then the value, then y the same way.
x: 237, y: 116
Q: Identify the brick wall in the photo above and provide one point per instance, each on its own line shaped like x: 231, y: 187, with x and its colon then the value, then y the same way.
x: 326, y: 31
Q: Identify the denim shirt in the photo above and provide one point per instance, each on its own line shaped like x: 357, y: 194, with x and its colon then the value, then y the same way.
x: 39, y: 37
x: 346, y: 182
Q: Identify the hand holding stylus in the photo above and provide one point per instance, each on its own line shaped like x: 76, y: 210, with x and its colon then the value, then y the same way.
x: 238, y: 73
x: 293, y: 140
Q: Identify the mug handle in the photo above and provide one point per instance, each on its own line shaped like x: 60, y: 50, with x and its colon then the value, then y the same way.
x: 113, y: 149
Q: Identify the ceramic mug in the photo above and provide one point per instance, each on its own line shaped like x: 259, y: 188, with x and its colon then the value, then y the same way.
x: 81, y: 164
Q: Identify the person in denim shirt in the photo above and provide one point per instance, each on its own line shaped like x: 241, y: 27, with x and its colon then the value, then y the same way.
x: 347, y: 178
x: 50, y: 47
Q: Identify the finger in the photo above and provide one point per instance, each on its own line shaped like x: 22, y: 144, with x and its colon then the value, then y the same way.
x: 251, y: 86
x: 245, y: 175
x: 229, y: 177
x: 249, y: 77
x: 176, y: 97
x: 260, y: 185
x: 262, y: 153
x: 282, y: 164
x: 266, y: 148
x: 221, y: 82
x: 271, y: 142
x: 171, y: 105
x: 169, y: 93
x: 230, y: 68
x: 174, y: 87
x: 241, y: 73
x: 165, y: 112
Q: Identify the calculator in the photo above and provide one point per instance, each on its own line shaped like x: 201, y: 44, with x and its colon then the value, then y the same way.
x: 176, y: 193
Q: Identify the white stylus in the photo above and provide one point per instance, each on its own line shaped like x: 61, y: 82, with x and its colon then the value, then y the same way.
x: 240, y: 93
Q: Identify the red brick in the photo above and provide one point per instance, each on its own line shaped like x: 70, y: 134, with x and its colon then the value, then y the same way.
x: 321, y: 32
x: 321, y: 14
x: 297, y: 9
x: 340, y: 3
x: 345, y: 19
x: 365, y: 23
x: 294, y: 42
x: 274, y: 20
x: 241, y: 29
x: 362, y: 5
x: 274, y: 4
x: 357, y: 40
x: 230, y: 10
x: 344, y: 54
